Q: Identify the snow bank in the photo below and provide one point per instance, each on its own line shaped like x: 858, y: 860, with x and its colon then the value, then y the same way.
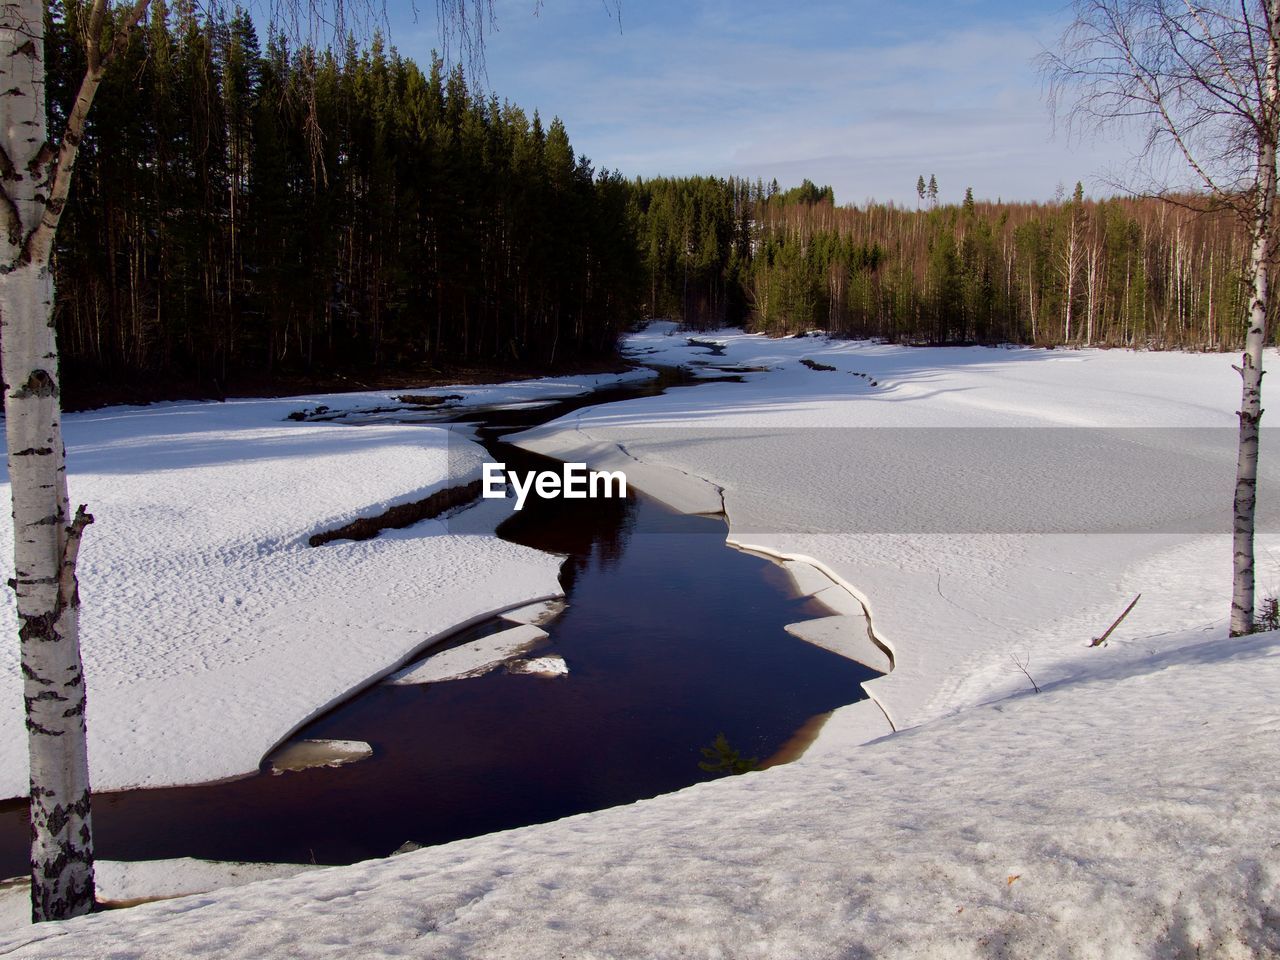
x: 125, y: 883
x: 1122, y: 815
x: 210, y: 629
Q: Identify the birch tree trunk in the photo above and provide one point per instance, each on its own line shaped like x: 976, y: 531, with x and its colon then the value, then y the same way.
x: 1070, y: 269
x: 1092, y: 283
x: 46, y: 538
x: 35, y: 182
x: 1242, y: 593
x: 1260, y: 261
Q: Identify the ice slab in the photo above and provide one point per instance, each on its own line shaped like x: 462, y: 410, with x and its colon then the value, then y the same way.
x: 536, y: 613
x: 807, y: 578
x: 845, y: 635
x: 472, y: 659
x: 839, y: 600
x: 308, y: 754
x: 552, y: 666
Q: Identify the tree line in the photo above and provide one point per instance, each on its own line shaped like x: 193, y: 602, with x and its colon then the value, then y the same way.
x: 248, y: 210
x: 255, y: 209
x: 1118, y: 272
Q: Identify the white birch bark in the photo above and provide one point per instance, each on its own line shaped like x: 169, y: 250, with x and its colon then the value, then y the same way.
x: 1242, y: 593
x: 35, y: 182
x: 1206, y: 79
x: 1093, y: 279
x: 44, y: 561
x: 46, y: 537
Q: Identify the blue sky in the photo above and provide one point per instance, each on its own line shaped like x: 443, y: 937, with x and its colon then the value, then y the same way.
x: 862, y: 95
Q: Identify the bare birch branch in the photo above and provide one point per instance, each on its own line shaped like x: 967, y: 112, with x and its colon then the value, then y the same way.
x: 39, y: 242
x: 67, y: 583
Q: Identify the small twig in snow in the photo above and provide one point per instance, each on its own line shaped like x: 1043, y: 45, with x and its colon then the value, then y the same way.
x: 1021, y: 664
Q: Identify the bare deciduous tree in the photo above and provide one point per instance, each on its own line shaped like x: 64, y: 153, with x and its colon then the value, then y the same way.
x: 1199, y: 81
x: 1071, y: 258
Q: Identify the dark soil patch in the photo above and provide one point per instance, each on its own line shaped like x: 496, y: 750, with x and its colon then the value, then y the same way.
x: 427, y: 399
x: 404, y: 515
x: 87, y: 389
x: 815, y: 365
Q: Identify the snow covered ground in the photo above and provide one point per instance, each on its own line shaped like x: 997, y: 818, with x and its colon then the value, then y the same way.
x: 123, y: 883
x: 1128, y: 814
x: 986, y: 505
x: 1127, y: 810
x: 211, y: 629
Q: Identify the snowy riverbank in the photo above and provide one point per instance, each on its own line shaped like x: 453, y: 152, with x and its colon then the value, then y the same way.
x: 1123, y: 815
x: 210, y: 628
x: 986, y: 505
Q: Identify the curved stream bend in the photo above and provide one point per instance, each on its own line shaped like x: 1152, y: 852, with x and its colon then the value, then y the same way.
x: 669, y: 636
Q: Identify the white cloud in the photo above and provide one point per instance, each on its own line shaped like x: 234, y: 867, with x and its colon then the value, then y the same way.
x: 827, y: 91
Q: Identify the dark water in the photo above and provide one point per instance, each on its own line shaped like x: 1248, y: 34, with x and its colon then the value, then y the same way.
x: 671, y: 638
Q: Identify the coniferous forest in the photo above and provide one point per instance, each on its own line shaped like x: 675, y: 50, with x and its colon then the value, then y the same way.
x: 245, y: 209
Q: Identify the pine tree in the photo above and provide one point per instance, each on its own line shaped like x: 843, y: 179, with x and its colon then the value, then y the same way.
x: 721, y: 758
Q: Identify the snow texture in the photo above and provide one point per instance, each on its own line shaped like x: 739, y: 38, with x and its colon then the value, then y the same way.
x: 122, y: 882
x: 1126, y: 814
